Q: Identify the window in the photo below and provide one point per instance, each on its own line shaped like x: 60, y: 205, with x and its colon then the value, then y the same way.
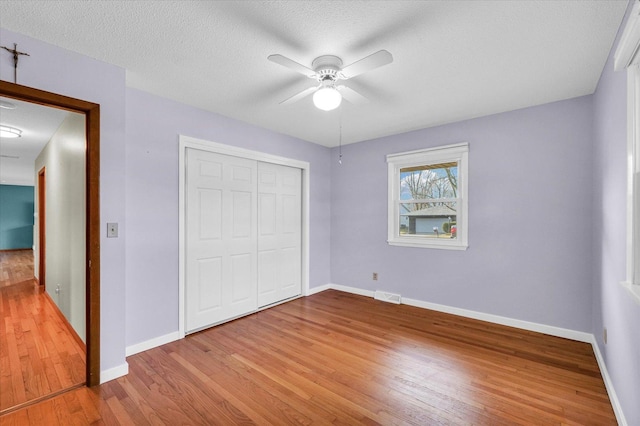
x: 633, y: 173
x: 428, y: 198
x: 626, y: 57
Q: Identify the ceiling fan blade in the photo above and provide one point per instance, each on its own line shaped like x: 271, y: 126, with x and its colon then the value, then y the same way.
x: 373, y: 61
x: 300, y: 95
x: 289, y: 63
x: 352, y: 96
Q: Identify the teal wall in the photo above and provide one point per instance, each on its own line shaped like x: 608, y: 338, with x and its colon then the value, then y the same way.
x: 16, y: 217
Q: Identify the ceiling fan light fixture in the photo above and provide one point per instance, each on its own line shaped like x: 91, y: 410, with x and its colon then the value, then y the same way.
x: 327, y: 98
x: 7, y: 105
x: 10, y: 132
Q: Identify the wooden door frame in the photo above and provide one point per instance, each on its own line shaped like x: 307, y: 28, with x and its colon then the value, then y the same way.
x: 42, y: 228
x: 91, y: 112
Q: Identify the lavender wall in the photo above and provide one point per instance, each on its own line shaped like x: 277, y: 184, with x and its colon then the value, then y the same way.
x: 547, y: 226
x: 61, y: 71
x: 153, y: 126
x: 613, y: 308
x: 530, y: 222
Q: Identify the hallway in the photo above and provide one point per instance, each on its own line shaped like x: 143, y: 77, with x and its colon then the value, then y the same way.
x: 39, y: 356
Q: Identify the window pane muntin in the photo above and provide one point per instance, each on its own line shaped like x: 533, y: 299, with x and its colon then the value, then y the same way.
x: 429, y: 166
x: 429, y: 200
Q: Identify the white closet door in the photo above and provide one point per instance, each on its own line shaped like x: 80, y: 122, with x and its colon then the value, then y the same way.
x: 221, y: 228
x: 279, y: 233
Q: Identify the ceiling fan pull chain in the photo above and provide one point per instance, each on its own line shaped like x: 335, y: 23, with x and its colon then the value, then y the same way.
x: 340, y: 140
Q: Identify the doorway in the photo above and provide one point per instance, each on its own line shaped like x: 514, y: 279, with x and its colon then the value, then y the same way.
x: 91, y: 112
x: 42, y: 229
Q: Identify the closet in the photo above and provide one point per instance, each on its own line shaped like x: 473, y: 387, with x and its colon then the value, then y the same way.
x: 243, y: 236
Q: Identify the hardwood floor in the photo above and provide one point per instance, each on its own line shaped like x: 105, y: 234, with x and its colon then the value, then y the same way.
x: 337, y: 358
x: 38, y: 355
x: 16, y: 266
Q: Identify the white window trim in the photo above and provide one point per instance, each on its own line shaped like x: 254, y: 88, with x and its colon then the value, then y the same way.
x: 457, y: 152
x: 627, y: 57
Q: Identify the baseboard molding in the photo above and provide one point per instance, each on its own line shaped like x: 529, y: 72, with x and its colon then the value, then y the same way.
x: 352, y: 290
x: 114, y: 373
x: 319, y: 289
x: 72, y: 331
x: 152, y: 343
x: 579, y: 336
x: 615, y: 402
x: 497, y: 319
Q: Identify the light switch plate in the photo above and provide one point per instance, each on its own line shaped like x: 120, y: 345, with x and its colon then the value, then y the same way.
x: 112, y: 230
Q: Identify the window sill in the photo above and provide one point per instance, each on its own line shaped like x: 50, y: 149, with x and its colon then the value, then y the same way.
x: 442, y: 245
x: 634, y: 290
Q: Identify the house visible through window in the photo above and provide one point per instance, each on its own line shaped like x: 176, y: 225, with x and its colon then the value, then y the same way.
x: 427, y: 206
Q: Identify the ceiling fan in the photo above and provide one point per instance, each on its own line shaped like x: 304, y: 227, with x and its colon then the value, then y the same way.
x: 328, y: 70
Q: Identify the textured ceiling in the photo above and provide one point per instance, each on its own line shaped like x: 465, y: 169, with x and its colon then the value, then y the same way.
x: 453, y: 60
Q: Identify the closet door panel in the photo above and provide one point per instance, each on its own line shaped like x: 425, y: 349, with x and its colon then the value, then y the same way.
x: 221, y: 231
x: 279, y: 233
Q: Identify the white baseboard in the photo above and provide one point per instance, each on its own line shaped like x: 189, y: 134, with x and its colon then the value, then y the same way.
x: 496, y: 319
x: 318, y: 289
x: 114, y: 373
x: 352, y: 290
x: 152, y: 343
x: 579, y: 336
x: 615, y: 402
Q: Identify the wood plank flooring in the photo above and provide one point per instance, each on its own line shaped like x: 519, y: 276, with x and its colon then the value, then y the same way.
x: 337, y: 358
x: 16, y: 266
x: 38, y: 355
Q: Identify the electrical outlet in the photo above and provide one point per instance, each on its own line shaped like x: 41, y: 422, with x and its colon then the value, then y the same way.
x: 604, y: 335
x: 375, y: 276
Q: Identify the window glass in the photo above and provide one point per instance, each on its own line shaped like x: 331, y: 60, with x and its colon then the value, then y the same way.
x: 428, y: 202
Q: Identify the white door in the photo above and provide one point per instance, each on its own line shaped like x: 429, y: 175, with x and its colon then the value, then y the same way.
x: 279, y: 233
x: 221, y: 280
